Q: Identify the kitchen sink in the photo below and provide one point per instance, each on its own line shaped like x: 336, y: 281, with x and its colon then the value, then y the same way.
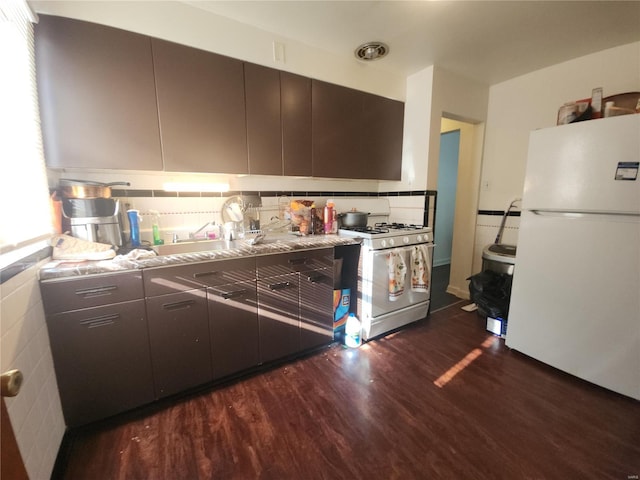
x: 196, y: 246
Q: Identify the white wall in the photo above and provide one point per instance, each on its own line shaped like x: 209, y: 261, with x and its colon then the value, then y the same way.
x: 36, y: 414
x: 529, y: 102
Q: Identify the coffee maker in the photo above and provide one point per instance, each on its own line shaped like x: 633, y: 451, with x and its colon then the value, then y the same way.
x: 94, y: 219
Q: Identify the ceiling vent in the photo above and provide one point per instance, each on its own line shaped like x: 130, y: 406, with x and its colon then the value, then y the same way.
x: 371, y: 51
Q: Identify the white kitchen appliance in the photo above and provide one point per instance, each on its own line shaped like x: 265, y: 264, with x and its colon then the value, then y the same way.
x: 575, y: 302
x: 379, y: 314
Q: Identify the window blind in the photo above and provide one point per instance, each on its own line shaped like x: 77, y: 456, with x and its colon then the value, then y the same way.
x: 24, y: 197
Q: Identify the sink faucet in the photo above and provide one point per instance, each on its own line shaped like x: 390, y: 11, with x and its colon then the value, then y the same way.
x: 193, y: 235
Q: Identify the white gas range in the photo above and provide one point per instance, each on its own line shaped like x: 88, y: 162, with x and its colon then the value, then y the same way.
x: 395, y: 275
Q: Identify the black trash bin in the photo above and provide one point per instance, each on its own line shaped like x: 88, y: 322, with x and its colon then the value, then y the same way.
x: 491, y: 292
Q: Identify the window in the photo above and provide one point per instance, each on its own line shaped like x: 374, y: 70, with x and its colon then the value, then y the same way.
x: 25, y: 214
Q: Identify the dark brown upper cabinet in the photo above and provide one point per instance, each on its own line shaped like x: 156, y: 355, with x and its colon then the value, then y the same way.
x: 335, y: 131
x: 201, y: 105
x: 97, y: 96
x: 278, y: 121
x: 264, y: 129
x: 355, y: 134
x: 296, y: 124
x: 382, y: 144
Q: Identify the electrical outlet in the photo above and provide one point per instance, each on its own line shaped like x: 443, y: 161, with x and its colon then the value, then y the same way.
x: 278, y: 52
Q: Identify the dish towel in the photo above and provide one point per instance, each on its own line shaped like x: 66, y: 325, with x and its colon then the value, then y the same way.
x: 420, y: 269
x: 397, y: 274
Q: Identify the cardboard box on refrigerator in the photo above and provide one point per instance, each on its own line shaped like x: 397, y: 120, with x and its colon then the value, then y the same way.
x: 341, y: 306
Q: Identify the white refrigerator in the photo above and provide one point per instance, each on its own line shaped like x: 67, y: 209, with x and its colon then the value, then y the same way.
x: 575, y: 301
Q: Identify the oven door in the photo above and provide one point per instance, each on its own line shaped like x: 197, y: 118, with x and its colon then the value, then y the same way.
x: 379, y: 284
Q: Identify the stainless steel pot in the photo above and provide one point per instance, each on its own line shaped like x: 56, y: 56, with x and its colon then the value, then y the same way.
x: 353, y: 219
x: 87, y: 189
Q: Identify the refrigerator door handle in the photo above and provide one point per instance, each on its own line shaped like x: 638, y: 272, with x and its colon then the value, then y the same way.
x: 613, y: 216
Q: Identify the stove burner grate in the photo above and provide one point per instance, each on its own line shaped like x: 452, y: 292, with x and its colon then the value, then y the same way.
x: 398, y: 226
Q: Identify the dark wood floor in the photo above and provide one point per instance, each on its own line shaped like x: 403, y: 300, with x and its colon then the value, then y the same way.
x: 439, y: 283
x: 441, y: 399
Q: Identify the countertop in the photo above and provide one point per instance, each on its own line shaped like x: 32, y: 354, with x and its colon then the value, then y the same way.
x: 140, y: 259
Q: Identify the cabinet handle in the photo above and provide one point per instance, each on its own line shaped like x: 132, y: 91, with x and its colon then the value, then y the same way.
x: 315, y: 278
x: 279, y: 286
x: 178, y: 305
x: 235, y: 293
x: 206, y: 274
x: 297, y: 261
x: 101, y: 321
x: 96, y: 291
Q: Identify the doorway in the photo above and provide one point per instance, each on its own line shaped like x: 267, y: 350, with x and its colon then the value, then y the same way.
x: 465, y: 205
x: 445, y: 214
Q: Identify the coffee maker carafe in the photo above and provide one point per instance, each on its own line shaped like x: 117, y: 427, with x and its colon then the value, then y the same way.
x: 94, y: 219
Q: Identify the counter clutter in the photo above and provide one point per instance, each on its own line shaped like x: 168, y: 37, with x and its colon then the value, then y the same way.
x: 140, y: 259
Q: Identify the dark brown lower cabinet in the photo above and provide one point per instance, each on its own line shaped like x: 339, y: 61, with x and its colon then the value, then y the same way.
x: 278, y: 316
x: 233, y: 325
x: 316, y: 308
x: 180, y: 341
x: 102, y: 360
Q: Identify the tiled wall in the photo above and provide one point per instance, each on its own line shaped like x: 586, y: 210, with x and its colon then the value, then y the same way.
x: 183, y: 213
x: 36, y: 414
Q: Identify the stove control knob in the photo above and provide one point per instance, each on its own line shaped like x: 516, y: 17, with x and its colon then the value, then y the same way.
x: 419, y: 238
x: 405, y: 240
x: 391, y: 242
x: 383, y: 243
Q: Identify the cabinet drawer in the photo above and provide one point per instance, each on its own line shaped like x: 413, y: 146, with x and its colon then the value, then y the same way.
x: 303, y: 261
x: 90, y: 291
x: 164, y: 280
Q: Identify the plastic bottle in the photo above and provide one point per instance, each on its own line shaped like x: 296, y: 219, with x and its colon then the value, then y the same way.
x: 134, y: 226
x: 155, y: 226
x: 312, y: 223
x: 352, y: 332
x: 328, y: 217
x: 334, y: 221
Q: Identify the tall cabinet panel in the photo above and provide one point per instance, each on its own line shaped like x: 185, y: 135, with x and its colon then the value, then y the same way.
x: 97, y: 96
x: 264, y: 132
x: 296, y: 124
x: 201, y: 105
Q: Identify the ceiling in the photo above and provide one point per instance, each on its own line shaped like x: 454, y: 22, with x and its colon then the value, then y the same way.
x: 489, y: 41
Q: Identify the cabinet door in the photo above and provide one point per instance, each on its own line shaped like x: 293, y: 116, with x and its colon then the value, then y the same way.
x: 337, y: 131
x: 316, y: 308
x: 179, y: 339
x: 264, y: 131
x: 383, y: 121
x: 295, y: 93
x: 102, y: 361
x: 202, y: 109
x: 97, y: 96
x: 233, y: 323
x: 278, y: 317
